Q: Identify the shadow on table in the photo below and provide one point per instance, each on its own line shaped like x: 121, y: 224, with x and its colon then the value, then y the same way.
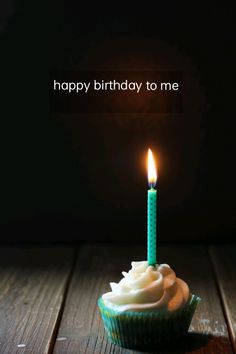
x: 191, y: 342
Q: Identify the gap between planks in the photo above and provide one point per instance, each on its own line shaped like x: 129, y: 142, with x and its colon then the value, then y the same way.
x: 223, y: 259
x: 60, y: 313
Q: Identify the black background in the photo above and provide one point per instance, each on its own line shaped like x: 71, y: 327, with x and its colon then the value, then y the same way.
x: 67, y: 177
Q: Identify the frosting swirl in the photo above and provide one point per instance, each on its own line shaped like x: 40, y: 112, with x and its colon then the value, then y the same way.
x: 147, y: 288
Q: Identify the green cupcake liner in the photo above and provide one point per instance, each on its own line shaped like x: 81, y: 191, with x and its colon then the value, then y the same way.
x: 146, y: 329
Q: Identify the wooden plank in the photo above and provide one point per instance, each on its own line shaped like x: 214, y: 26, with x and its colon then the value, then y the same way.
x: 32, y: 287
x: 224, y: 262
x: 208, y: 328
x: 81, y: 329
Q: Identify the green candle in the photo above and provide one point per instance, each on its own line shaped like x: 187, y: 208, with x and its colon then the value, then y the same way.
x: 151, y: 215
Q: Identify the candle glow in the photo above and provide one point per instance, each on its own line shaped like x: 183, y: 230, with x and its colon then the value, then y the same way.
x: 152, y: 171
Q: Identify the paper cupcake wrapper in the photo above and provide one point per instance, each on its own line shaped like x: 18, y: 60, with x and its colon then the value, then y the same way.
x: 146, y: 329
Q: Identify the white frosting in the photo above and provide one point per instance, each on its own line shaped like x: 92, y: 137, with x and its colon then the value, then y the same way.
x: 147, y: 288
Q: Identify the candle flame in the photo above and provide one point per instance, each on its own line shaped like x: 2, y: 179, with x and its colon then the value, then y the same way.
x: 152, y: 172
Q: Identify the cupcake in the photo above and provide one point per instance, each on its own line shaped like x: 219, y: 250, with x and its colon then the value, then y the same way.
x: 148, y: 307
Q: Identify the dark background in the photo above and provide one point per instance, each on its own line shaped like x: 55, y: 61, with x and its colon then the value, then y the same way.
x: 69, y: 176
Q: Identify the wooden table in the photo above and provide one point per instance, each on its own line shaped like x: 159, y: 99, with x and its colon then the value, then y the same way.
x: 48, y: 297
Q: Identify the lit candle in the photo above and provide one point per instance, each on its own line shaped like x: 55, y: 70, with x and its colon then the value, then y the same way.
x: 151, y: 214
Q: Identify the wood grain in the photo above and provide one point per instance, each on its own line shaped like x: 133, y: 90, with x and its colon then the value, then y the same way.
x: 193, y: 265
x: 224, y: 262
x: 81, y: 329
x: 32, y: 287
